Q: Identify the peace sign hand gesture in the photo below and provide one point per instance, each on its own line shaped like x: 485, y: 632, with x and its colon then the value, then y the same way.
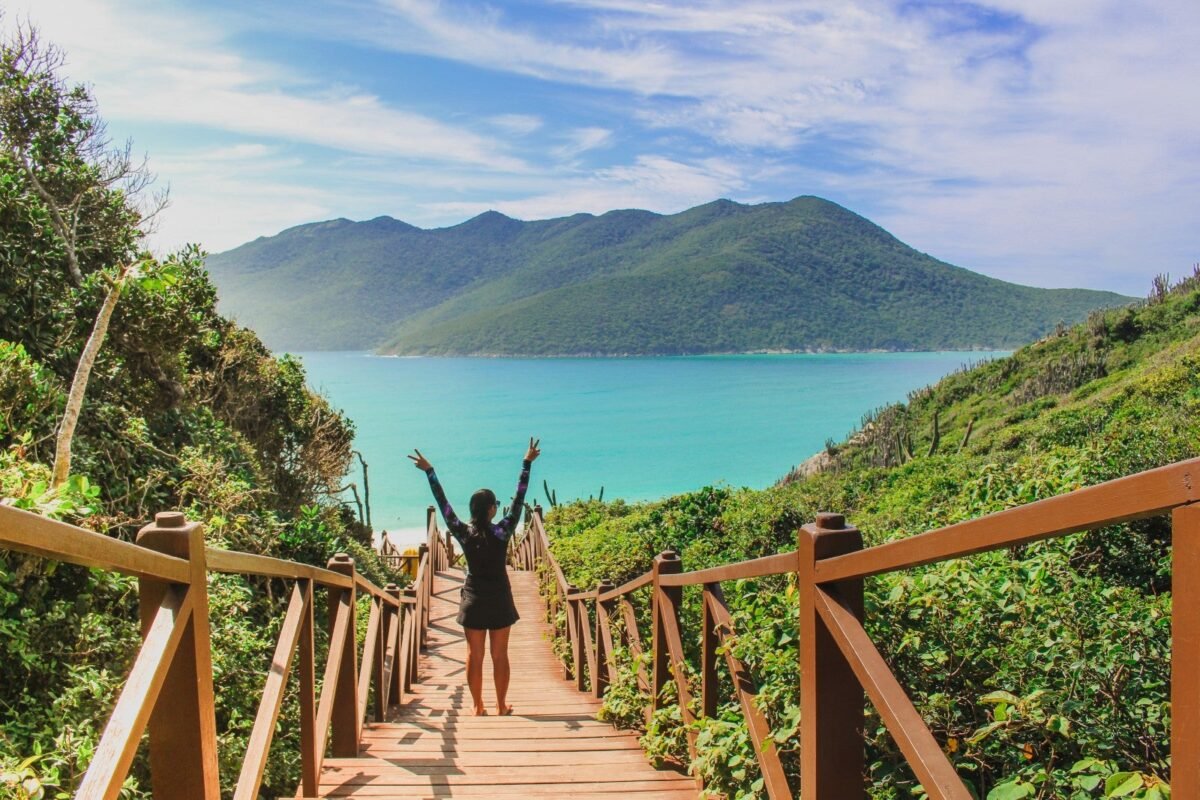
x: 420, y: 461
x: 533, y: 451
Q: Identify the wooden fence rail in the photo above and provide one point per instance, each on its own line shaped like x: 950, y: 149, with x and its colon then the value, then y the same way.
x: 840, y: 667
x: 170, y: 689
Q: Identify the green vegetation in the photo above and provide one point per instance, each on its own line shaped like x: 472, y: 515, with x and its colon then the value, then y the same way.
x: 184, y: 410
x: 805, y: 275
x: 1043, y: 672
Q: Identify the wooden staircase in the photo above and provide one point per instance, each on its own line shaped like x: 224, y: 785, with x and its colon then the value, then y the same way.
x: 552, y: 746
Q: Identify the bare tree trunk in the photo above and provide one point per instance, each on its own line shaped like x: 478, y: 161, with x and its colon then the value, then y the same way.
x: 366, y: 487
x: 79, y: 383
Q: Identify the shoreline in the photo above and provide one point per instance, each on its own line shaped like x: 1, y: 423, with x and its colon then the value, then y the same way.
x: 618, y: 355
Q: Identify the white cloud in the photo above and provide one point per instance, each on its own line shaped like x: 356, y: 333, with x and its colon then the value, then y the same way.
x: 581, y: 140
x: 519, y: 124
x: 1016, y: 135
x: 174, y: 67
x: 1065, y: 123
x: 655, y: 183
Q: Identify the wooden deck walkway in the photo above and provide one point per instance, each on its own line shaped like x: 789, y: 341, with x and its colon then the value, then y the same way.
x: 552, y: 746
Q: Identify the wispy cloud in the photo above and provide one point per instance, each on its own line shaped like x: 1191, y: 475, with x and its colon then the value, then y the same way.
x: 519, y: 124
x: 582, y: 140
x: 174, y: 67
x: 652, y: 182
x: 1051, y: 142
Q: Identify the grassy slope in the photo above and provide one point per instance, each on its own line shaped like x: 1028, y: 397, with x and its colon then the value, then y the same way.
x: 1077, y: 627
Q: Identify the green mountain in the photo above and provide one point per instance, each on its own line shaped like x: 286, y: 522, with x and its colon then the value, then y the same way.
x: 722, y: 277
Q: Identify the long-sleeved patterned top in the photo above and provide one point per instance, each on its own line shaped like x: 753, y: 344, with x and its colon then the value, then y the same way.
x: 461, y: 530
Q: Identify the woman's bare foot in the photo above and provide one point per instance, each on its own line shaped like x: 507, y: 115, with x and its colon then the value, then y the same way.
x: 504, y: 711
x: 480, y: 711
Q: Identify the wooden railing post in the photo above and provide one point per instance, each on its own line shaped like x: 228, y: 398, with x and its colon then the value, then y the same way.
x: 412, y: 655
x: 537, y: 545
x: 395, y: 639
x: 309, y: 771
x: 665, y: 600
x: 345, y: 721
x: 449, y: 552
x: 604, y: 644
x: 426, y: 589
x: 832, y: 702
x: 574, y: 622
x: 1185, y: 652
x: 183, y: 724
x: 708, y: 654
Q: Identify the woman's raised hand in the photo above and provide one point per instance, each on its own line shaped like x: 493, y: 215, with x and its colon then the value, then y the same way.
x: 421, y: 462
x: 533, y: 451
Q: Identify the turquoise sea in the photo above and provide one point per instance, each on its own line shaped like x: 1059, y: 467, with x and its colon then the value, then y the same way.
x: 642, y: 428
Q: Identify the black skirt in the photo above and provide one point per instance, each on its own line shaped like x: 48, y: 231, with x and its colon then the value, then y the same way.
x: 487, y: 603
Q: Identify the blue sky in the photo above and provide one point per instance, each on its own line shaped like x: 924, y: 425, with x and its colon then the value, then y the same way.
x: 1049, y: 142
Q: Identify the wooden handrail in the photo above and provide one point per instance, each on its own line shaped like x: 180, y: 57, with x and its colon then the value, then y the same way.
x: 169, y: 689
x: 1146, y: 494
x: 777, y: 564
x: 233, y: 562
x: 30, y: 533
x: 839, y: 662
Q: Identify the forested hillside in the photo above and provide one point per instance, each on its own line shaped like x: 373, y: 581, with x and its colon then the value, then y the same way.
x: 723, y: 277
x: 1042, y: 671
x: 184, y: 410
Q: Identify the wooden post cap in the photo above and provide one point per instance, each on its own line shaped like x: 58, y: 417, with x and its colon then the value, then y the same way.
x: 341, y: 562
x: 410, y: 592
x: 392, y: 588
x: 829, y: 521
x: 170, y: 534
x: 668, y: 555
x: 605, y: 586
x: 830, y: 536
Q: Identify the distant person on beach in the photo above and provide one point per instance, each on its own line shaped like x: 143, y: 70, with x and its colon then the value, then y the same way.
x: 487, y: 610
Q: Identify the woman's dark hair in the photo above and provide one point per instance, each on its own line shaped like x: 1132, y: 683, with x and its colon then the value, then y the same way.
x: 481, y: 506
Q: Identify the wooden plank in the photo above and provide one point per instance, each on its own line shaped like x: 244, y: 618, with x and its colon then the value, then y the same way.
x: 310, y: 764
x: 1185, y: 652
x: 509, y: 790
x: 123, y: 732
x: 31, y: 533
x: 403, y: 745
x: 633, y: 640
x: 238, y: 563
x: 588, y: 647
x: 404, y: 759
x: 754, y: 568
x: 1146, y: 494
x: 259, y: 745
x: 592, y: 794
x: 365, y: 671
x: 903, y: 721
x: 627, y: 587
x: 333, y: 664
x: 450, y: 775
x: 365, y: 584
x: 774, y: 777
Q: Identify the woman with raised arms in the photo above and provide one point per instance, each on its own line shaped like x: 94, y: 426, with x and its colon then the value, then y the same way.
x: 486, y: 611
